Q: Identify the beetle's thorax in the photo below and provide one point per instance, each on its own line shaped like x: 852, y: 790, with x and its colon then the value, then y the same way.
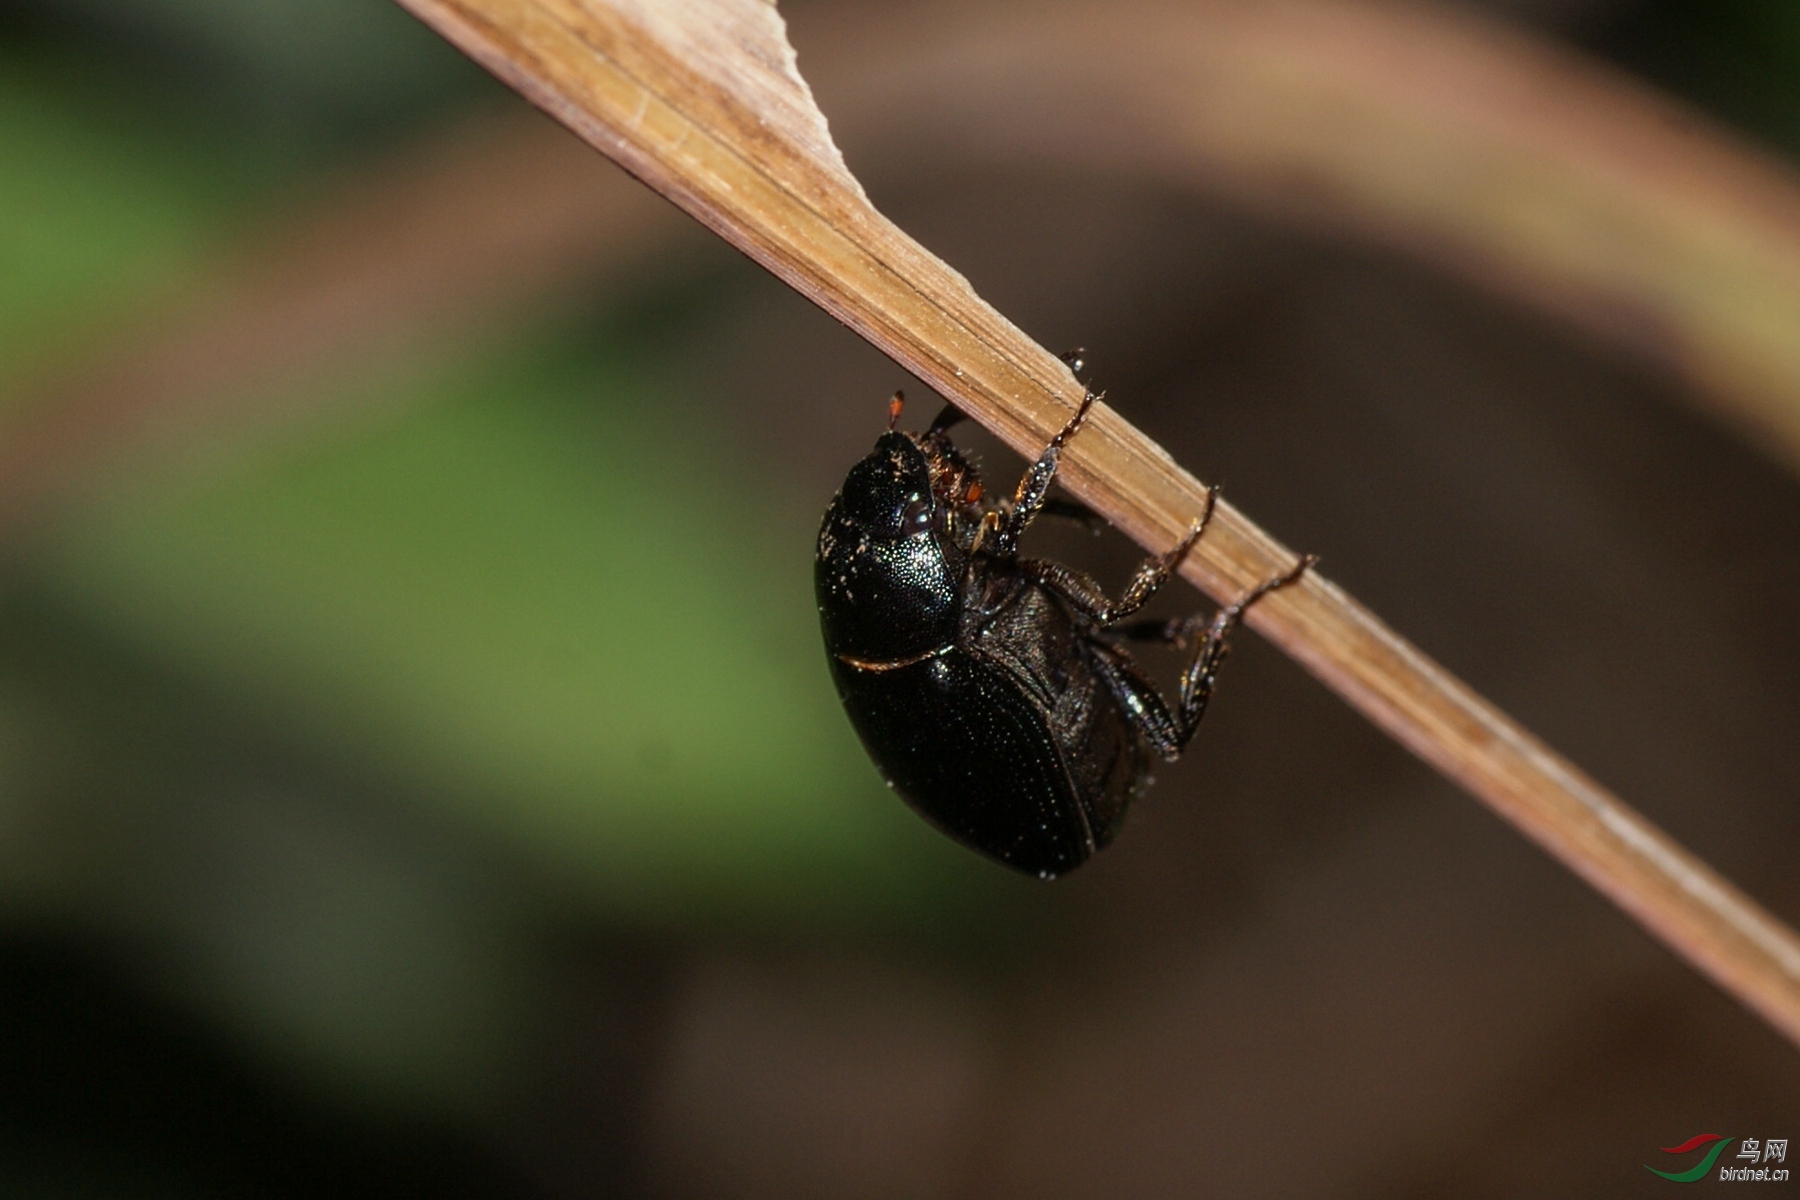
x: 892, y: 552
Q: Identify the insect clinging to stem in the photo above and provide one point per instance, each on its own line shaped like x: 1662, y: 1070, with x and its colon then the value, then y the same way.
x: 994, y: 691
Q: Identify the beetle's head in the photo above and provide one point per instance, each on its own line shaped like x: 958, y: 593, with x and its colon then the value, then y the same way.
x: 892, y: 549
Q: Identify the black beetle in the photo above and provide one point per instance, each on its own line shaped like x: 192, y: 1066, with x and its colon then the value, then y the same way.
x: 992, y: 690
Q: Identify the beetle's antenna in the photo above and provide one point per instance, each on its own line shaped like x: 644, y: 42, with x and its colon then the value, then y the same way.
x: 894, y: 407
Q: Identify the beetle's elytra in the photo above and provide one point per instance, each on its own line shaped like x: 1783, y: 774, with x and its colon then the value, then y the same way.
x: 994, y: 691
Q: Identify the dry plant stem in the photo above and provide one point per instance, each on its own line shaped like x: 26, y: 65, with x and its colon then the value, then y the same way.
x: 1425, y: 127
x: 1707, y: 255
x: 1508, y: 159
x: 700, y: 100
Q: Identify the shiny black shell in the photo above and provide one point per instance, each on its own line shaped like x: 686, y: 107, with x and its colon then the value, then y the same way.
x: 980, y: 696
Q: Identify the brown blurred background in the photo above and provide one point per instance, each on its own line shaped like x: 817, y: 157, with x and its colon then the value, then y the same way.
x: 418, y: 771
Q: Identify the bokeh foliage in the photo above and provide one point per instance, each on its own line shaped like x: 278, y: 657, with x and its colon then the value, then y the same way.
x: 332, y: 713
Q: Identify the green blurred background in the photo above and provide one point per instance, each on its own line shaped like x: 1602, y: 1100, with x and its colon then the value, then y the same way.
x: 430, y: 784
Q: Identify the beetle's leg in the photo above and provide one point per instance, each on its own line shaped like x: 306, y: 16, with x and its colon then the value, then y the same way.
x: 1085, y: 596
x: 1142, y: 704
x: 1034, y: 488
x: 1197, y: 680
x: 990, y: 526
x: 1069, y: 510
x: 1082, y: 591
x: 1176, y: 631
x: 950, y: 416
